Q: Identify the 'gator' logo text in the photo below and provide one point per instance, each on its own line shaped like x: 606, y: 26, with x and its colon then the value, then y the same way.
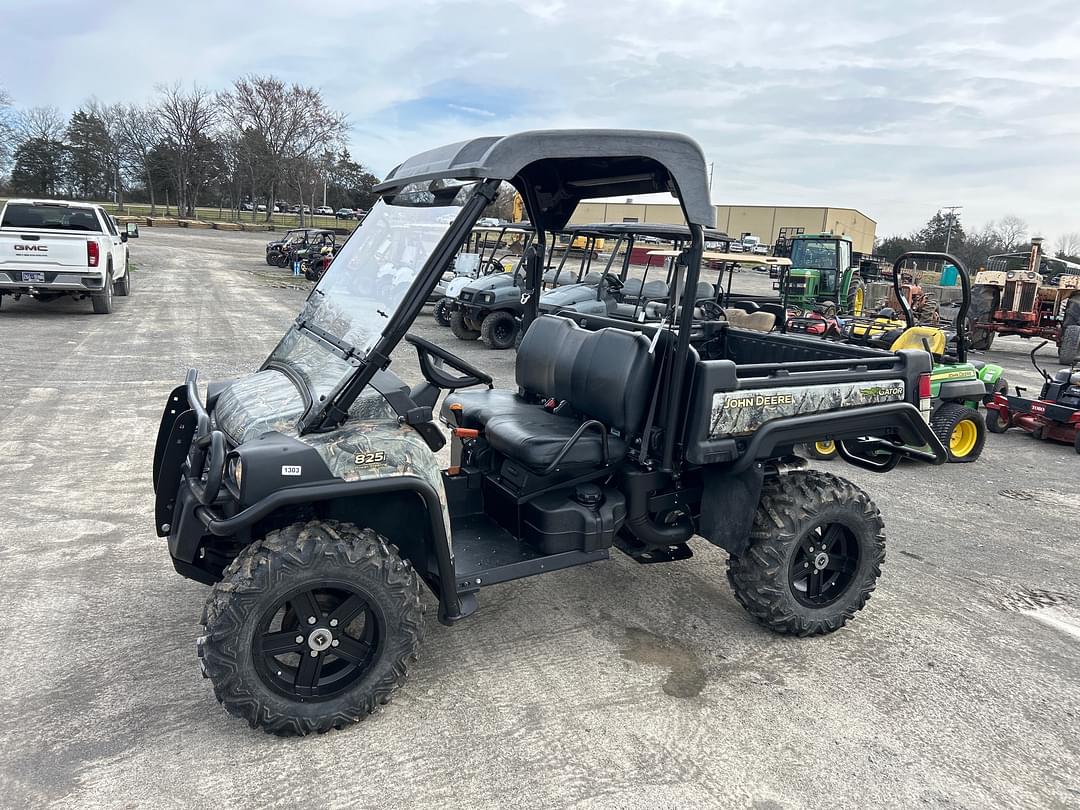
x: 761, y: 401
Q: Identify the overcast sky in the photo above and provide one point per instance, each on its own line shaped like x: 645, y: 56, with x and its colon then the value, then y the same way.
x: 892, y: 108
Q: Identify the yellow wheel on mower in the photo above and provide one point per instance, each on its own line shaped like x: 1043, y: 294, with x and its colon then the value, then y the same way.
x: 960, y: 429
x: 963, y: 438
x: 821, y: 450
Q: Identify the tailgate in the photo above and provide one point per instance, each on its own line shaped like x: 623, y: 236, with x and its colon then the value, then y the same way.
x: 44, y: 248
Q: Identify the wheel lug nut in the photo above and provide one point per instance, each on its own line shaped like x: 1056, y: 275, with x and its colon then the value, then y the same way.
x: 334, y: 643
x: 333, y: 622
x: 311, y: 620
x: 299, y: 639
x: 314, y: 653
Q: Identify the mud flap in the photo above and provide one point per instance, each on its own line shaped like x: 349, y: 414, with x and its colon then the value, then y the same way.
x: 729, y: 502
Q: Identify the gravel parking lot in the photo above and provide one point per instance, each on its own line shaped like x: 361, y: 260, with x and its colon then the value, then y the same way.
x: 612, y: 685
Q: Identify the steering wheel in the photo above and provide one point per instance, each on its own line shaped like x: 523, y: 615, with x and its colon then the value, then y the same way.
x: 612, y: 282
x: 426, y: 351
x: 711, y: 310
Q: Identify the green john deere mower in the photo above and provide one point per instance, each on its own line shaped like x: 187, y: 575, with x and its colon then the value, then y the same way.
x: 957, y: 385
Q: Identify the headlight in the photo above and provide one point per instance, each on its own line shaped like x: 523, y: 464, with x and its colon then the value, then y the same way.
x: 485, y: 297
x: 236, y: 471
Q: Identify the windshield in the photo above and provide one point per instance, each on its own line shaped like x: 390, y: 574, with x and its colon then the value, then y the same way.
x: 363, y: 286
x: 814, y: 254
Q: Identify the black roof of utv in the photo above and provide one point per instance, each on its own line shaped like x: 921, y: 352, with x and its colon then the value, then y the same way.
x: 564, y: 167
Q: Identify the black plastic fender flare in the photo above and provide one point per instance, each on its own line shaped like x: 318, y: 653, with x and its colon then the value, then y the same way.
x: 449, y: 603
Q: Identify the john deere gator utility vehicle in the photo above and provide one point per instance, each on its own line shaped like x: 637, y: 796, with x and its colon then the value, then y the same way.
x: 309, y: 497
x: 821, y: 271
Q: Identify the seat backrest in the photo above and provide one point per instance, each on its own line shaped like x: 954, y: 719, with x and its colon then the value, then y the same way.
x: 913, y: 339
x: 604, y: 375
x: 758, y: 321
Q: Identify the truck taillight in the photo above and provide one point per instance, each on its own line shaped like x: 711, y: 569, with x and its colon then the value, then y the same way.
x: 924, y: 386
x: 91, y: 253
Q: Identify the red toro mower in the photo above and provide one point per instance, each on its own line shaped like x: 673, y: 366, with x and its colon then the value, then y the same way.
x: 1054, y: 415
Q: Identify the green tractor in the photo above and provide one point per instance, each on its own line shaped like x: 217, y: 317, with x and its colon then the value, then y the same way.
x: 957, y: 385
x: 821, y: 271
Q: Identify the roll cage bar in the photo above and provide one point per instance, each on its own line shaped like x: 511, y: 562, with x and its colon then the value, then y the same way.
x: 553, y: 171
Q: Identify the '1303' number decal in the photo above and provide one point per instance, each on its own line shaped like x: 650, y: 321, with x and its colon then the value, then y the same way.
x: 370, y: 458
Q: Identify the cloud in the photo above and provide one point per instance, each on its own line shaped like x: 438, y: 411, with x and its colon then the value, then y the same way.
x: 894, y: 110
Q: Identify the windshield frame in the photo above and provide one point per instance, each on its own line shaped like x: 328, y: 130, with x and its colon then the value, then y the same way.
x: 327, y: 412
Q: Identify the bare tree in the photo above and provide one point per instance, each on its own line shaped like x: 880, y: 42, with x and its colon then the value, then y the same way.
x: 291, y: 121
x: 187, y: 119
x: 304, y: 177
x: 139, y: 132
x: 43, y: 123
x: 7, y: 129
x: 1012, y: 231
x: 1068, y: 244
x: 112, y: 147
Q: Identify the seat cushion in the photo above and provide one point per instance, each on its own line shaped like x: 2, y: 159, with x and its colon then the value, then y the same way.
x: 535, y: 440
x: 480, y: 404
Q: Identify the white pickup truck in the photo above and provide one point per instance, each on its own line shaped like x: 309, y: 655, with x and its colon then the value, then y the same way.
x: 52, y: 248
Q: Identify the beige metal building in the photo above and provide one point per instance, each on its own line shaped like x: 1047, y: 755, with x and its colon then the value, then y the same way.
x: 764, y: 221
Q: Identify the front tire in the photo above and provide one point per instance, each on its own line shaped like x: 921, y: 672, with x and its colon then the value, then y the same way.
x: 961, y: 429
x: 460, y: 327
x: 822, y: 451
x: 442, y: 312
x: 994, y: 422
x: 312, y: 628
x: 815, y: 554
x: 498, y: 330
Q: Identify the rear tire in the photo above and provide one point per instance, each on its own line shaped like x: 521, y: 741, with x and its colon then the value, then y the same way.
x: 442, y: 312
x: 1069, y: 348
x: 1076, y: 442
x: 815, y: 554
x: 460, y: 329
x: 295, y: 581
x: 123, y: 286
x: 984, y: 300
x: 856, y: 298
x: 961, y: 429
x: 103, y: 301
x: 498, y: 330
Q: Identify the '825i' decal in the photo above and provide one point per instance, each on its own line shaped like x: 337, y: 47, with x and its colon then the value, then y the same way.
x: 370, y: 458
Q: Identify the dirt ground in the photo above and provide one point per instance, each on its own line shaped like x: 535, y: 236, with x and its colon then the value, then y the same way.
x: 610, y: 685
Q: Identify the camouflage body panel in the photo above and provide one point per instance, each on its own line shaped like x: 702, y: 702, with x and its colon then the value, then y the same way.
x: 371, y: 444
x: 268, y: 400
x: 742, y: 412
x: 363, y: 450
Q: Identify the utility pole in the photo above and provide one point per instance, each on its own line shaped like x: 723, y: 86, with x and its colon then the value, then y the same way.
x: 951, y: 216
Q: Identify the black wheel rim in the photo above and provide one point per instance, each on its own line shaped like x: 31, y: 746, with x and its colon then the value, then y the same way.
x: 824, y: 565
x: 317, y: 641
x: 503, y: 332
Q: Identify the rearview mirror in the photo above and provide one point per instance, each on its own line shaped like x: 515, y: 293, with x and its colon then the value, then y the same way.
x: 132, y: 231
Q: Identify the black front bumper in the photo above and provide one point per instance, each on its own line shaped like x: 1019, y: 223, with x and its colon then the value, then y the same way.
x: 189, y: 461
